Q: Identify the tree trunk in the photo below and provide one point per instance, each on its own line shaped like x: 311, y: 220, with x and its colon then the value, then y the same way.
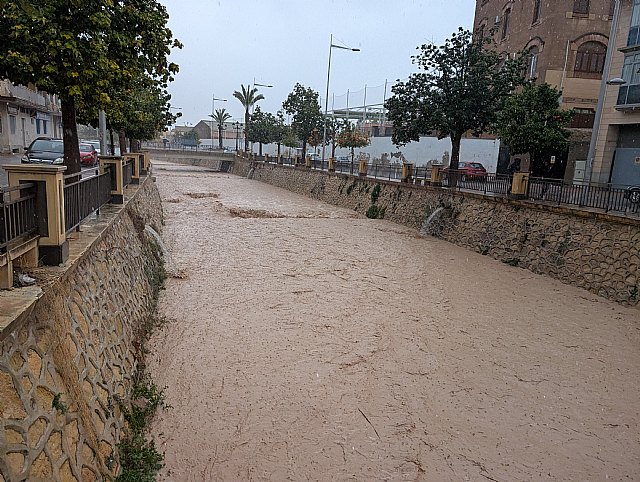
x: 278, y: 150
x: 220, y: 137
x: 246, y: 130
x: 333, y: 149
x: 122, y: 140
x: 352, y: 156
x: 70, y: 137
x: 112, y: 145
x: 455, y: 158
x: 304, y: 151
x: 260, y: 148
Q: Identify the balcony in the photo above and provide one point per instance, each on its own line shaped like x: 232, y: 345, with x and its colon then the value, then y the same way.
x: 628, y: 97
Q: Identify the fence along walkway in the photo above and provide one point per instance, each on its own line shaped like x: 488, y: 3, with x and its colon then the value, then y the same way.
x: 610, y: 198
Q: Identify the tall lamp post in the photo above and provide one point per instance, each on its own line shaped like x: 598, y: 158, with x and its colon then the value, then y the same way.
x: 603, y: 89
x: 212, y: 115
x: 326, y: 97
x: 236, y: 126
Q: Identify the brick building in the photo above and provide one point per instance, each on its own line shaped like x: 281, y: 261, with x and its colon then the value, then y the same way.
x: 567, y: 43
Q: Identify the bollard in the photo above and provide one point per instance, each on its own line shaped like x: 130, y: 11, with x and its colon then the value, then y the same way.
x: 407, y: 172
x: 117, y: 176
x: 362, y: 167
x: 332, y: 164
x: 307, y: 162
x: 520, y: 185
x: 436, y: 175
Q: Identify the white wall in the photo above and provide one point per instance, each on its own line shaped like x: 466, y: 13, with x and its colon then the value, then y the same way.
x: 484, y: 151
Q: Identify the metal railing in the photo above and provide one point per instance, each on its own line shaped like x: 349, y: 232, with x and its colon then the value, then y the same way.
x: 18, y: 213
x: 127, y: 173
x: 85, y: 196
x: 492, y: 184
x: 608, y: 197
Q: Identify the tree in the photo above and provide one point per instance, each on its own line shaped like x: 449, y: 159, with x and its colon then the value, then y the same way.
x: 302, y: 103
x: 189, y: 138
x: 333, y: 129
x: 315, y: 139
x: 83, y: 52
x: 221, y: 116
x: 532, y: 122
x: 247, y: 97
x: 264, y: 128
x: 351, y: 138
x: 463, y: 85
x: 289, y: 138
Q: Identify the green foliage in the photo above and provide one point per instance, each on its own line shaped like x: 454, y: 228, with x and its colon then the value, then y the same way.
x: 375, y: 212
x: 247, y: 97
x: 463, y: 84
x: 375, y: 193
x: 92, y: 54
x: 265, y: 127
x: 221, y: 116
x: 303, y: 105
x: 189, y: 138
x: 289, y: 138
x: 57, y: 404
x: 140, y: 461
x: 531, y: 121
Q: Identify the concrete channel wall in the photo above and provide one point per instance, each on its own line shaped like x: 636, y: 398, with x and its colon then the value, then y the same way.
x: 594, y: 251
x: 68, y: 356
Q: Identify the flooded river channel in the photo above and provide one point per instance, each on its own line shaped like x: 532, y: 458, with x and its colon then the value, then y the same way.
x: 306, y: 342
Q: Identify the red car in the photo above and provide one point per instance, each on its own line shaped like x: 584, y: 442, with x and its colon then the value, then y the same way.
x: 88, y: 154
x: 469, y: 170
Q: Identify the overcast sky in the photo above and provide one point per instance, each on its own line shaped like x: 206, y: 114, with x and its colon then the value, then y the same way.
x: 281, y: 42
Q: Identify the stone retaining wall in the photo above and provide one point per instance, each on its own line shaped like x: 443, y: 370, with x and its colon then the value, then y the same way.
x: 64, y: 365
x: 595, y: 251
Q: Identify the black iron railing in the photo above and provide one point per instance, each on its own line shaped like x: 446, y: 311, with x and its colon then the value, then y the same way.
x: 83, y: 197
x: 18, y: 213
x: 493, y: 184
x: 127, y: 172
x: 607, y: 197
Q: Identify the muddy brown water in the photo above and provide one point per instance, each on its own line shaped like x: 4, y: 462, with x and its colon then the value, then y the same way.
x: 309, y: 343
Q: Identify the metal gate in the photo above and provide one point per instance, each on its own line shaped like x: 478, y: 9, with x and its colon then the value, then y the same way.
x: 626, y: 167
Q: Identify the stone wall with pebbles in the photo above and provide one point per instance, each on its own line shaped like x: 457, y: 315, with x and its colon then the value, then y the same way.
x: 63, y: 368
x: 594, y: 251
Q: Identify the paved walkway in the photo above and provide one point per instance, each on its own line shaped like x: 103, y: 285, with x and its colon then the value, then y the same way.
x: 307, y: 343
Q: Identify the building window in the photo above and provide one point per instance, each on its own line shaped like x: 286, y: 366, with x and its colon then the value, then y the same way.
x: 505, y: 23
x: 38, y: 126
x: 44, y: 127
x: 634, y: 28
x: 590, y: 60
x: 581, y: 7
x: 536, y: 11
x: 630, y: 92
x: 12, y: 124
x: 532, y: 69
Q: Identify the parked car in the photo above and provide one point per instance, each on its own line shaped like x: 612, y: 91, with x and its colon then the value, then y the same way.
x: 469, y: 170
x: 44, y: 150
x: 88, y: 154
x: 632, y: 193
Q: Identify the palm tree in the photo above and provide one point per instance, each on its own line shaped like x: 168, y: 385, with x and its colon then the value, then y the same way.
x: 248, y: 97
x: 220, y: 117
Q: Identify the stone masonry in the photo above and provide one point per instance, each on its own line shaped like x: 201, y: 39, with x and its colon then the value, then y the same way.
x: 63, y: 368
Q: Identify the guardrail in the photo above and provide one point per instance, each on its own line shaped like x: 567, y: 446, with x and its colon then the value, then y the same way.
x: 607, y: 197
x: 17, y: 213
x: 85, y: 197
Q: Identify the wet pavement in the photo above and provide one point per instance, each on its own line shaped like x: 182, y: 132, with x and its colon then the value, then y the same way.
x: 305, y: 342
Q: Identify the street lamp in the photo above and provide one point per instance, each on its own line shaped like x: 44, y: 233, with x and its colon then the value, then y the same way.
x: 236, y: 126
x: 603, y: 89
x: 212, y: 115
x: 326, y: 98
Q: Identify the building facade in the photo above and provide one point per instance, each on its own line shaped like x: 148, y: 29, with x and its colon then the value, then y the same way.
x: 617, y: 155
x: 566, y: 40
x: 26, y: 113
